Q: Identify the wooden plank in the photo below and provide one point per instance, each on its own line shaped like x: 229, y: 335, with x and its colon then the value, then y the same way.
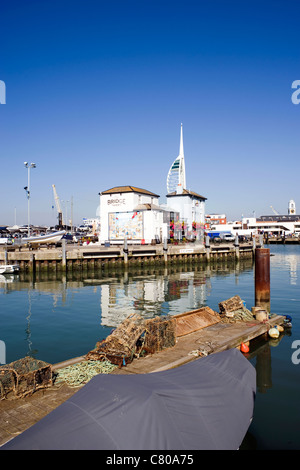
x: 195, y: 320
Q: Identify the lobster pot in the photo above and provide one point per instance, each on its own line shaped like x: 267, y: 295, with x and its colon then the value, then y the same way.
x: 160, y: 334
x: 23, y: 377
x: 122, y: 344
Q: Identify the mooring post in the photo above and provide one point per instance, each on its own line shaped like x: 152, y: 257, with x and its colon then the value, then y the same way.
x: 125, y: 251
x: 165, y: 250
x: 32, y: 263
x: 64, y: 257
x: 262, y: 278
x: 237, y: 247
x: 207, y: 246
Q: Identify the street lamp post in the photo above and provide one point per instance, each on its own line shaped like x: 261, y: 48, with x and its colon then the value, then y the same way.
x: 27, y: 189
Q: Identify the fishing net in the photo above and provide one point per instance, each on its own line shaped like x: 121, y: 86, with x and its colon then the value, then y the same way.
x: 23, y: 377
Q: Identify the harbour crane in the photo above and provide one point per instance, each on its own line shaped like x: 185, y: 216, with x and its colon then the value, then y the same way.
x: 275, y: 212
x: 60, y: 216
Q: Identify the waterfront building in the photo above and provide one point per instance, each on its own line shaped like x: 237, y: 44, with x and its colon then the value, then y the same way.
x: 274, y: 224
x: 132, y: 213
x: 191, y: 209
x: 128, y: 212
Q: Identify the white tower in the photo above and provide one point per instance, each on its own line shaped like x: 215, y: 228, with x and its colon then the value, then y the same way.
x: 292, y: 207
x: 176, y: 176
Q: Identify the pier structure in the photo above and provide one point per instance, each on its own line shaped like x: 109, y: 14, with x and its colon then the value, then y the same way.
x: 94, y: 256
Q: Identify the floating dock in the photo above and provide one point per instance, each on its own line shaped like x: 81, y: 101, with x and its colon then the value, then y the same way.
x: 19, y: 414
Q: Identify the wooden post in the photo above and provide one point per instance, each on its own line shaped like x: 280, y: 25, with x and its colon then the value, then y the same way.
x: 125, y: 251
x: 262, y: 278
x: 207, y: 246
x: 64, y: 257
x: 237, y: 247
x: 165, y: 250
x: 32, y: 263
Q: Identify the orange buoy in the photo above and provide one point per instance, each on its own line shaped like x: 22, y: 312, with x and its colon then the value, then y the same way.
x: 244, y: 348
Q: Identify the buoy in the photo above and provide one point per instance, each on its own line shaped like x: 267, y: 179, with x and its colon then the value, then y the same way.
x: 244, y: 348
x: 261, y: 315
x: 280, y: 328
x: 273, y: 333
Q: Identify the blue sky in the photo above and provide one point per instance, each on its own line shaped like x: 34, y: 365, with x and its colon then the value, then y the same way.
x: 96, y: 92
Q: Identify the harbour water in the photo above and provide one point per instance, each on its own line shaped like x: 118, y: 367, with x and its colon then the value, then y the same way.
x: 54, y: 318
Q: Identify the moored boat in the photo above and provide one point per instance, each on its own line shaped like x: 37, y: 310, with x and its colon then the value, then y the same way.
x: 9, y: 268
x: 53, y: 237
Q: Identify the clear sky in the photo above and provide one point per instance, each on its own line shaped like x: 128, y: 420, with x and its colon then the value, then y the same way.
x: 96, y: 92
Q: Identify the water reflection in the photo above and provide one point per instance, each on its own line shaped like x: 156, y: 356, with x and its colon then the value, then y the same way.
x: 288, y: 261
x: 58, y: 308
x: 152, y: 295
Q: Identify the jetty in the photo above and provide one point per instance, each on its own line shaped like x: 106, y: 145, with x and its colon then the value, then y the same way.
x: 70, y: 257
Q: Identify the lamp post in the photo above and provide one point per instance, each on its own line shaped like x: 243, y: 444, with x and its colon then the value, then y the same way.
x: 27, y: 189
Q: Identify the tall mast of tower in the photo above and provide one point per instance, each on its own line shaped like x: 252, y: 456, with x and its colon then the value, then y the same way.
x: 182, y: 179
x: 176, y: 176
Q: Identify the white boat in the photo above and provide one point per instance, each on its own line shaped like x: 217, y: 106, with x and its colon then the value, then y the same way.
x: 9, y: 268
x: 53, y: 237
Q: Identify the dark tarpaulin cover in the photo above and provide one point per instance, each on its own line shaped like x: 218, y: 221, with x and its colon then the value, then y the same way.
x: 205, y: 404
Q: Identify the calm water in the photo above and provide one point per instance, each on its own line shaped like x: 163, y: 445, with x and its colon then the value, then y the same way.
x: 54, y: 319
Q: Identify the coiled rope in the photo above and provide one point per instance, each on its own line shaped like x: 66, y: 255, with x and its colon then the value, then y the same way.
x: 79, y: 374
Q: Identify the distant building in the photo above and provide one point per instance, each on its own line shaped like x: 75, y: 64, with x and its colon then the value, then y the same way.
x: 292, y: 207
x: 275, y: 224
x: 189, y: 205
x: 215, y: 219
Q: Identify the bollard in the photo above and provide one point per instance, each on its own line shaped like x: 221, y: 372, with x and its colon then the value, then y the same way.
x: 262, y: 278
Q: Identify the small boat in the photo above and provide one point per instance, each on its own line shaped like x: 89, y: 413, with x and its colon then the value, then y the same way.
x: 9, y: 268
x: 53, y: 237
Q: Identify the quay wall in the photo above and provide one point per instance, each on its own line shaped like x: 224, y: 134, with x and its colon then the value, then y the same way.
x: 78, y: 258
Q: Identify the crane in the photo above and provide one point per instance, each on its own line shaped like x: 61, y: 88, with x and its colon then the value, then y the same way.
x: 60, y: 217
x: 275, y: 212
